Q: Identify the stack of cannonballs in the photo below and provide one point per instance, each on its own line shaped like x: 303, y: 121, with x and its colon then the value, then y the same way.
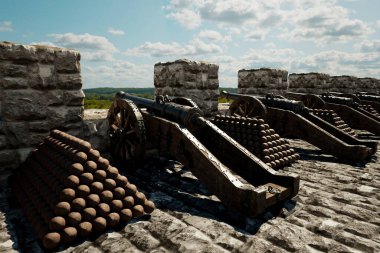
x: 69, y: 191
x: 256, y: 136
x: 370, y: 109
x: 331, y: 117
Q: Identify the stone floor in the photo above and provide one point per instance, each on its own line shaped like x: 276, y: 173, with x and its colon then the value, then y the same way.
x: 337, y: 210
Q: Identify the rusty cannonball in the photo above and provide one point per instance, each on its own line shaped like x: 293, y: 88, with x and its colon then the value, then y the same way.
x: 78, y: 204
x: 106, y: 196
x: 84, y: 229
x: 137, y: 210
x: 83, y: 191
x: 89, y: 214
x: 109, y: 184
x: 130, y: 189
x: 100, y: 175
x: 139, y: 198
x: 99, y: 224
x: 62, y: 208
x: 72, y: 181
x: 93, y: 200
x: 93, y: 154
x: 86, y: 178
x: 76, y: 169
x: 125, y: 215
x: 103, y: 163
x: 57, y: 223
x: 69, y: 234
x: 73, y: 218
x: 128, y: 201
x: 119, y: 193
x: 121, y: 180
x: 149, y: 206
x: 67, y: 194
x: 116, y: 205
x: 90, y: 166
x: 112, y: 172
x: 113, y: 219
x: 103, y: 209
x: 79, y: 157
x: 96, y: 187
x: 51, y: 240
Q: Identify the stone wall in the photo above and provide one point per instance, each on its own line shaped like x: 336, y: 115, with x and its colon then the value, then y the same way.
x: 40, y: 89
x: 262, y: 81
x: 316, y: 83
x: 345, y: 84
x: 191, y: 79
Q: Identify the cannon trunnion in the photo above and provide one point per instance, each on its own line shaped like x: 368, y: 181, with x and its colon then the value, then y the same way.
x: 238, y: 178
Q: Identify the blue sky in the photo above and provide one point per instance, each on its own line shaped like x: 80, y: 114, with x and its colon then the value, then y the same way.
x: 121, y: 40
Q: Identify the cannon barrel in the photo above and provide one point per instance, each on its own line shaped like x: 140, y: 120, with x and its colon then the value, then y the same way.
x: 368, y: 97
x: 329, y: 98
x: 178, y: 113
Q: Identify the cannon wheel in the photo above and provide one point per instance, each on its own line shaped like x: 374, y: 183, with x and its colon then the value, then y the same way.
x: 126, y: 131
x: 313, y: 102
x: 248, y: 107
x: 184, y: 101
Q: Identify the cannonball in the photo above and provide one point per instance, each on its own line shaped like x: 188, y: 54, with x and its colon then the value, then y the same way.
x: 112, y: 172
x: 96, y: 187
x: 121, y: 180
x: 103, y: 163
x: 84, y: 229
x: 72, y: 181
x: 116, y: 205
x: 118, y: 193
x: 57, y: 223
x: 73, y: 218
x: 90, y: 166
x: 99, y: 224
x: 86, y: 178
x: 130, y: 189
x: 78, y: 204
x: 100, y: 175
x: 67, y: 194
x: 128, y: 201
x: 109, y: 184
x: 125, y: 215
x: 113, y: 219
x: 137, y: 210
x: 149, y: 206
x: 89, y: 214
x: 93, y: 154
x: 103, y: 209
x: 82, y: 191
x: 76, y: 169
x: 139, y: 198
x: 80, y: 157
x: 69, y: 234
x: 106, y: 196
x: 51, y: 240
x: 93, y: 200
x: 84, y: 146
x: 62, y: 208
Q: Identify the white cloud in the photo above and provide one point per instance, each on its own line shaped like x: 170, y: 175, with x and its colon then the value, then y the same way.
x: 6, y: 26
x: 159, y: 49
x: 186, y: 18
x: 114, y: 31
x: 91, y: 47
x: 213, y: 36
x: 370, y: 46
x: 378, y: 24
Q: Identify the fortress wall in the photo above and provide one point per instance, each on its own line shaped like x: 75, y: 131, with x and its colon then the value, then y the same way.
x: 40, y: 89
x: 316, y: 83
x: 262, y: 81
x: 195, y: 80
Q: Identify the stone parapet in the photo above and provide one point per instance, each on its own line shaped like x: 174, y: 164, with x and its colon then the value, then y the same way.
x: 316, y: 83
x: 262, y: 81
x: 40, y: 89
x: 192, y: 79
x: 344, y: 84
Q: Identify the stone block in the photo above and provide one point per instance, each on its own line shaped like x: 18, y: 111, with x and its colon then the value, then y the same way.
x: 73, y: 97
x: 3, y: 141
x: 45, y: 54
x: 17, y: 53
x: 23, y: 153
x: 39, y: 126
x: 67, y: 61
x: 13, y: 83
x: 8, y: 156
x: 263, y: 79
x: 17, y: 134
x: 13, y: 70
x: 69, y: 81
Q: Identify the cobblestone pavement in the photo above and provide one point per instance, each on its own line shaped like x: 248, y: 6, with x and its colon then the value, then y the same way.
x: 336, y: 210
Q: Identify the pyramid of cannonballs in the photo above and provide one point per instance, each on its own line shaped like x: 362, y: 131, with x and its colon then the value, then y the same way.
x: 256, y: 136
x: 331, y: 117
x: 68, y: 191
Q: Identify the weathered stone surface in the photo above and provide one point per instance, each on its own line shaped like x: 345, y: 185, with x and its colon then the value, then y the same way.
x: 69, y: 81
x: 39, y: 126
x: 73, y: 97
x: 20, y: 53
x: 309, y: 83
x: 13, y: 83
x: 23, y: 153
x: 67, y: 61
x: 3, y: 141
x: 17, y: 134
x: 13, y: 70
x: 95, y: 128
x: 7, y: 156
x: 44, y: 79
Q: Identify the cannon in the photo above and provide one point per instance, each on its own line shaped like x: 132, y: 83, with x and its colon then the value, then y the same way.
x: 349, y: 109
x: 237, y: 177
x: 292, y: 118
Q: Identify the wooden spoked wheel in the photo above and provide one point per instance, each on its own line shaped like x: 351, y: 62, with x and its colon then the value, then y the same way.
x: 247, y: 107
x: 313, y: 102
x: 126, y: 131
